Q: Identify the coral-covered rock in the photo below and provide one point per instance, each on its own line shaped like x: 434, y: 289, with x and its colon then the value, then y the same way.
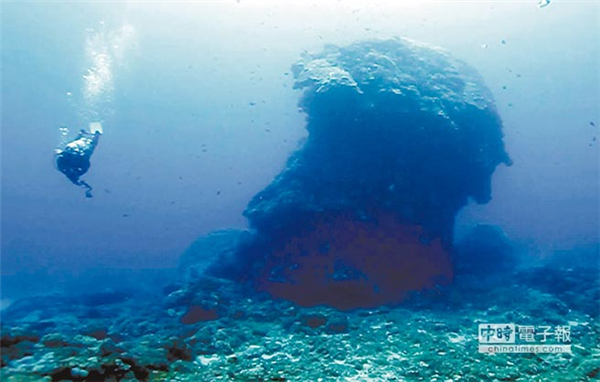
x: 401, y: 135
x: 207, y: 249
x: 484, y: 251
x: 393, y: 125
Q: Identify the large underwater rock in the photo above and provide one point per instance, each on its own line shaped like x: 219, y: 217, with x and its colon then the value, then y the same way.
x: 401, y: 135
x: 204, y: 251
x: 485, y: 251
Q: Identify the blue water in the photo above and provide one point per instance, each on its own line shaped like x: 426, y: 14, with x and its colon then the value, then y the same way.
x: 214, y: 77
x: 199, y: 114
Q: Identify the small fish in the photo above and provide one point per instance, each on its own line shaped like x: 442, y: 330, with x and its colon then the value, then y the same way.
x: 592, y: 123
x: 543, y: 3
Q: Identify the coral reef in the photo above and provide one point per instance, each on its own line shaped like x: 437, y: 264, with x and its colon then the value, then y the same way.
x: 252, y: 337
x: 401, y: 135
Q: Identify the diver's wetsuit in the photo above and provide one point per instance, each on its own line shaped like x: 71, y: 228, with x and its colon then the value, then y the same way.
x: 74, y: 159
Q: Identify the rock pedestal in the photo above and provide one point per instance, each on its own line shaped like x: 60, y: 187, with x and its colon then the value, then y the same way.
x: 401, y: 135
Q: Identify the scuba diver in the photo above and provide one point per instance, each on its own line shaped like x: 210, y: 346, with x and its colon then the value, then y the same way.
x: 74, y: 159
